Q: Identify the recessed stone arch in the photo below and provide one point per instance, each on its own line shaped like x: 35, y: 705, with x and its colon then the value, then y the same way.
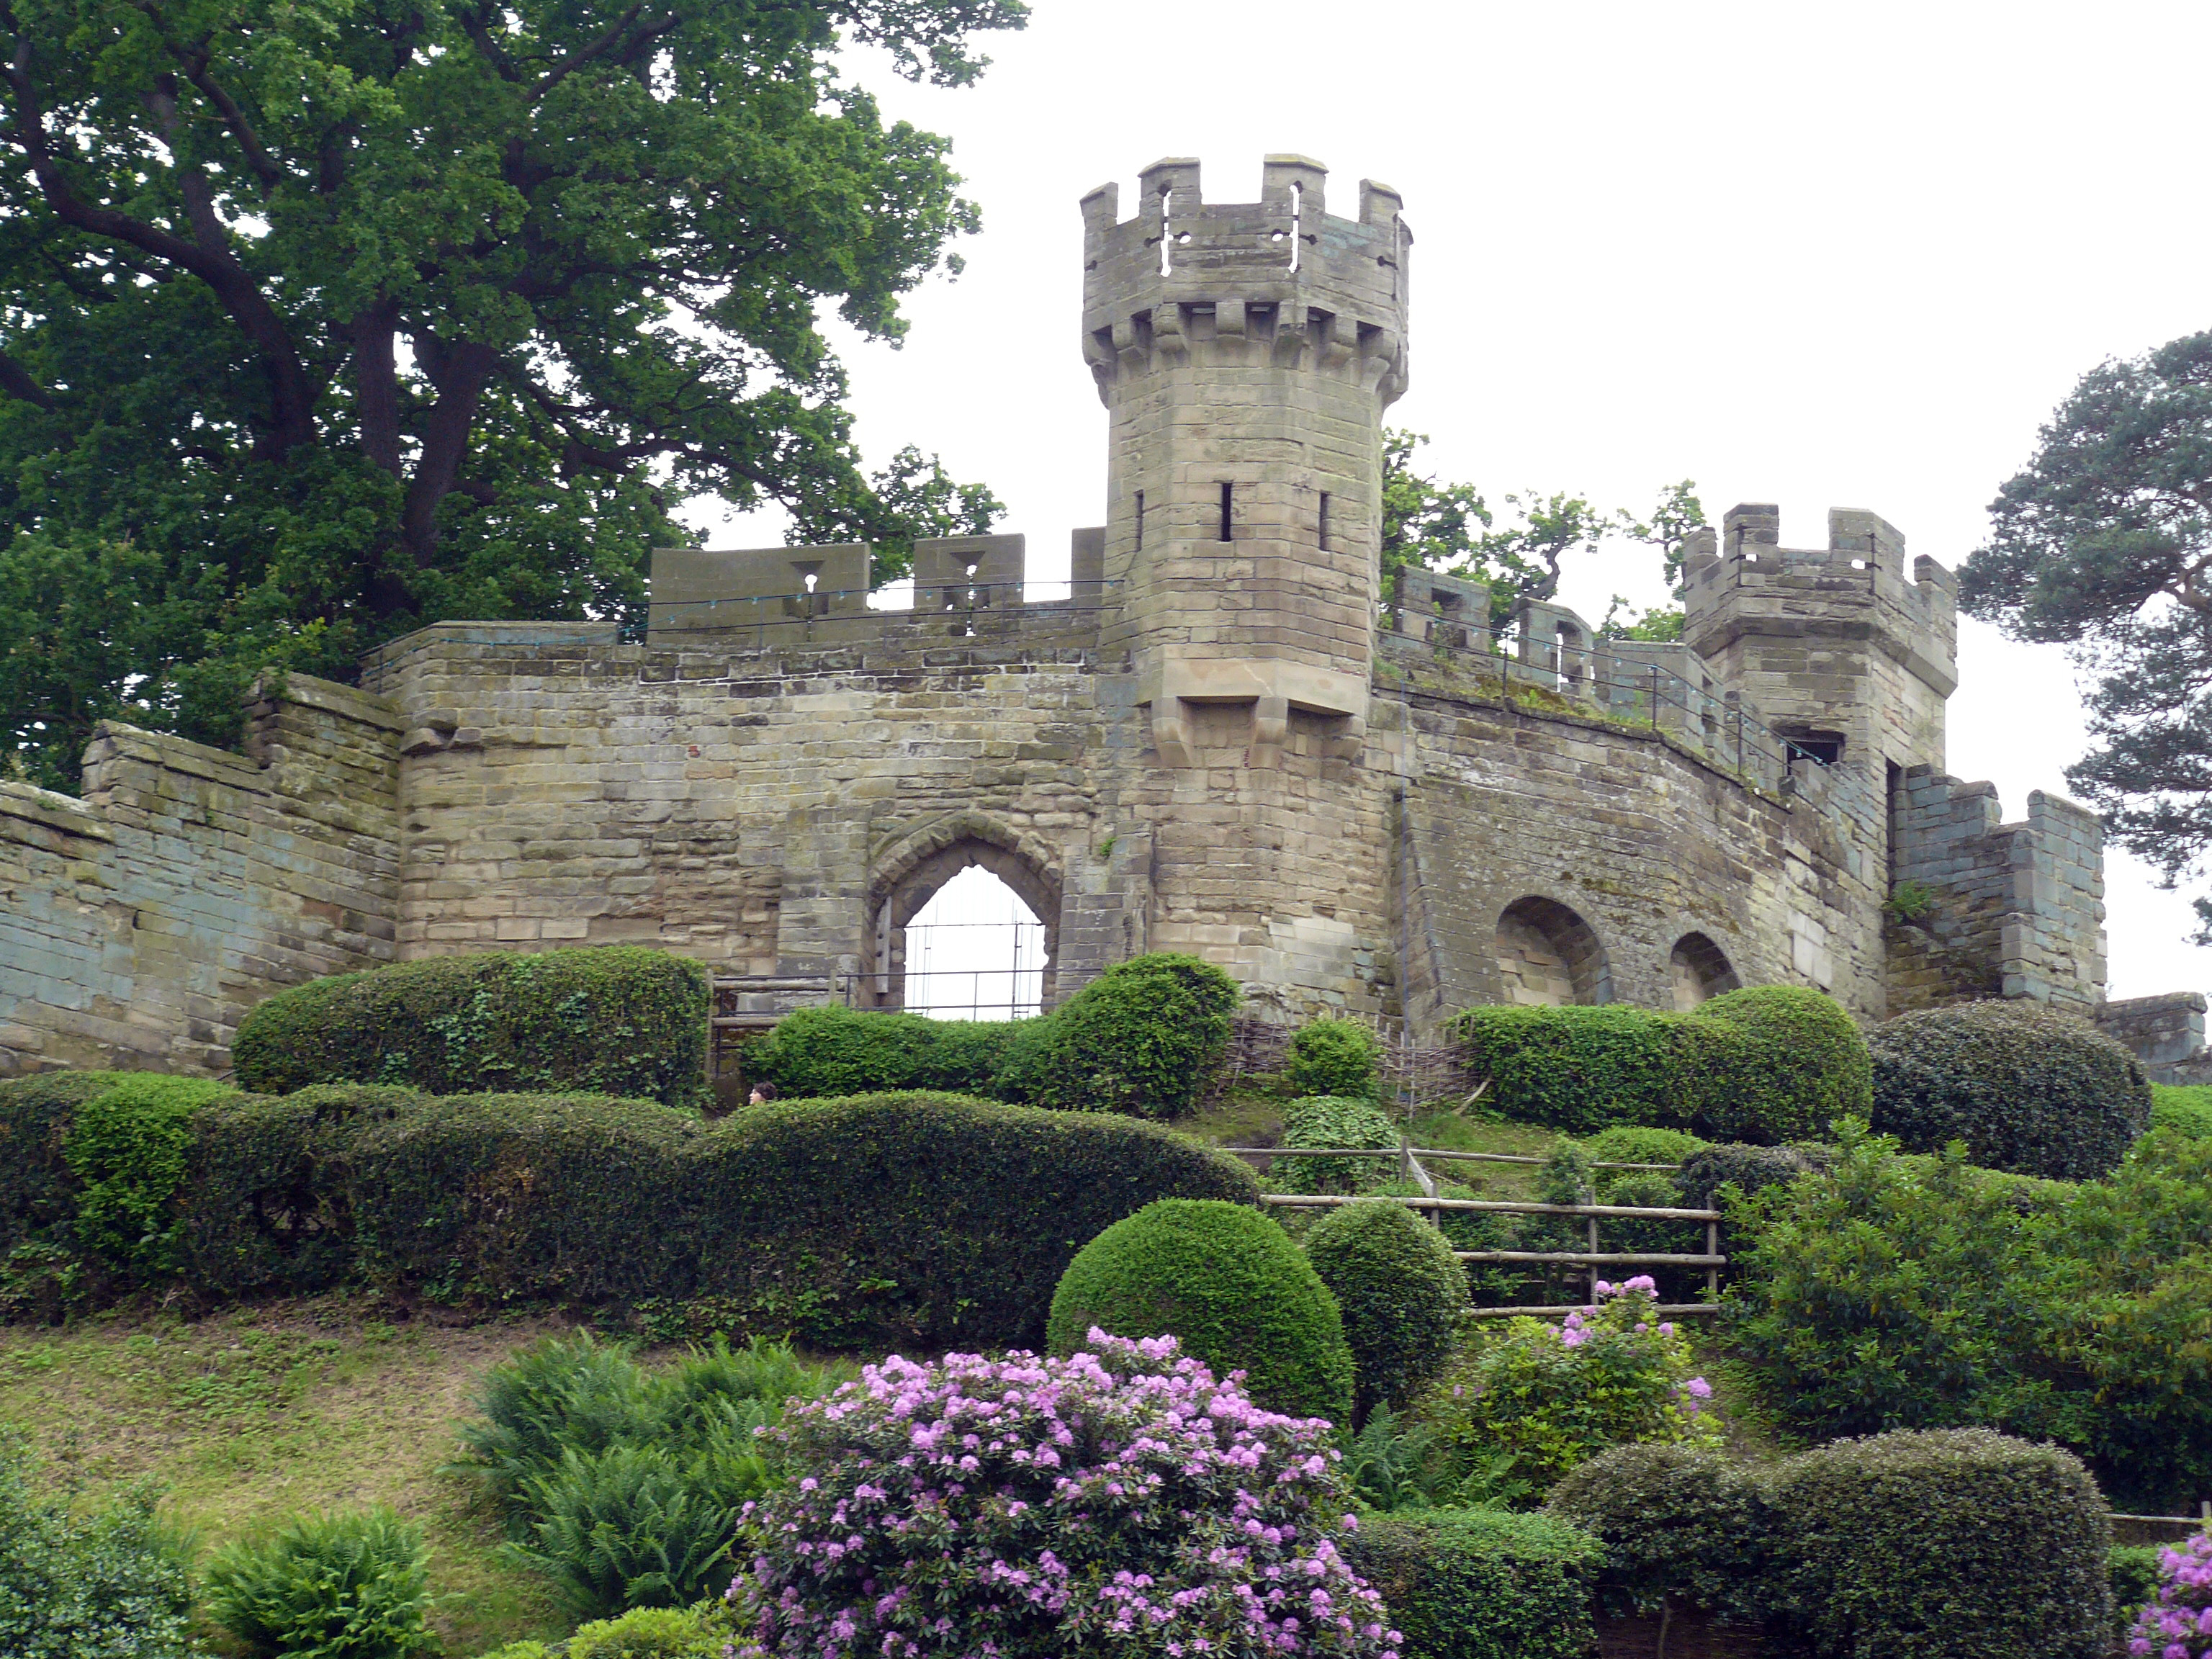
x: 909, y: 870
x: 1700, y: 969
x: 1549, y: 957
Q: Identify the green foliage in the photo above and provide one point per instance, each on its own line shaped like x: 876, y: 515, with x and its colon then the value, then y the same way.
x: 2135, y: 1572
x: 635, y: 1526
x: 1905, y: 1544
x: 1333, y: 1057
x: 37, y: 1189
x: 1684, y: 1524
x: 1918, y: 1292
x: 1335, y: 1120
x: 1767, y: 1065
x: 1910, y: 901
x: 1400, y: 1291
x: 2101, y: 543
x: 352, y: 1585
x: 825, y: 1053
x: 1481, y: 1584
x: 324, y: 326
x: 1395, y: 1463
x: 1639, y: 1143
x: 128, y: 1146
x: 1556, y: 1395
x: 104, y: 1583
x: 704, y: 1629
x: 617, y: 1019
x: 1142, y: 1039
x: 2184, y: 1107
x: 1224, y: 1279
x: 1751, y: 1169
x: 2028, y: 1089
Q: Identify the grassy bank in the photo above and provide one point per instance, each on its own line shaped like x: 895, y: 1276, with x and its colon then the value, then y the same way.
x: 254, y: 1414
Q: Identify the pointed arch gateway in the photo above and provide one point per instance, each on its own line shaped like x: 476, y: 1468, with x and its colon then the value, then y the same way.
x: 909, y: 871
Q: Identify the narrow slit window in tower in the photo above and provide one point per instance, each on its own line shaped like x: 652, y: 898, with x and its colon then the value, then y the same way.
x: 1141, y: 521
x: 1226, y: 497
x: 1324, y: 521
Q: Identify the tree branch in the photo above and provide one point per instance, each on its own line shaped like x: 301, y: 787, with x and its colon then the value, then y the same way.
x: 16, y: 381
x: 376, y: 385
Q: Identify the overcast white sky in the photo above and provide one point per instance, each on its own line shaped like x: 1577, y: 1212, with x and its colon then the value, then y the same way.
x: 1847, y: 255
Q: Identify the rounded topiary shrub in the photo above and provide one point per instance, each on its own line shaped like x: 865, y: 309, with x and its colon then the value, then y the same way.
x: 1333, y: 1057
x: 2028, y: 1089
x: 1142, y: 1038
x: 615, y: 1019
x: 1943, y: 1541
x: 1227, y: 1282
x: 1801, y: 1064
x: 1734, y: 1163
x: 1689, y: 1524
x: 1335, y: 1120
x: 1120, y: 1501
x: 1400, y: 1290
x: 829, y: 1052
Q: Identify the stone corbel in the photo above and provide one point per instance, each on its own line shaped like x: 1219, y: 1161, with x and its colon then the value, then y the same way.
x: 1271, y: 730
x: 1171, y: 732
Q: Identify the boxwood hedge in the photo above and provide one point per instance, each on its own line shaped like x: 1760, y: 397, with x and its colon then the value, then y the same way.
x: 1772, y: 1064
x: 1481, y: 1584
x: 914, y: 1219
x: 829, y: 1052
x: 615, y: 1019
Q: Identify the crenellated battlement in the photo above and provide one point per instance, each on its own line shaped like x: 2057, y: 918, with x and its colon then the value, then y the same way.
x: 1280, y: 281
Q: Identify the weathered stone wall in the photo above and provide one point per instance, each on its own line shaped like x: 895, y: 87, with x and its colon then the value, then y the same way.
x: 138, y: 924
x: 2166, y: 1032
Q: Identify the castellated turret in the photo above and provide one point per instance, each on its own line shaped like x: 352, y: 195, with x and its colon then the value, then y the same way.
x: 1246, y: 355
x: 1847, y: 658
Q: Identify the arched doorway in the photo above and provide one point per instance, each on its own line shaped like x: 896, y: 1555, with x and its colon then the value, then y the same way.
x: 1549, y: 957
x: 1016, y: 914
x: 1700, y: 970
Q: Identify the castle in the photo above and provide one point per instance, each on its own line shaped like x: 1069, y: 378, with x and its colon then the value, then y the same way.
x: 1225, y: 739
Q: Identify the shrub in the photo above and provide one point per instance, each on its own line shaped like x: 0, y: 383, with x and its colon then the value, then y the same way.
x: 1335, y: 1120
x: 560, y: 1395
x: 1767, y: 1065
x: 2185, y: 1109
x: 37, y: 1191
x: 1142, y: 1038
x: 1751, y: 1169
x: 1333, y: 1057
x: 822, y: 1053
x: 106, y: 1584
x: 1118, y: 1499
x: 127, y: 1146
x: 1224, y: 1279
x: 1916, y: 1545
x: 1481, y: 1584
x: 2136, y: 1572
x: 342, y: 1586
x: 2028, y: 1089
x: 1556, y: 1395
x: 1683, y: 1523
x: 1639, y: 1143
x: 635, y: 1525
x: 614, y: 1019
x: 1400, y: 1291
x: 702, y: 1631
x: 2172, y: 1622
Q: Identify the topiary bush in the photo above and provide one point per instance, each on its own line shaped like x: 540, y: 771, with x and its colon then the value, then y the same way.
x: 1481, y: 1584
x: 829, y: 1052
x: 1748, y: 1168
x: 1553, y: 1397
x: 1770, y: 1064
x: 76, y: 1583
x: 37, y: 1189
x: 1335, y: 1120
x: 1400, y: 1291
x: 2028, y: 1089
x: 1688, y: 1525
x: 1923, y: 1545
x: 1119, y: 1499
x: 1639, y: 1143
x: 1333, y: 1057
x: 127, y: 1146
x: 338, y: 1586
x: 1142, y: 1039
x: 1225, y: 1280
x: 618, y: 1020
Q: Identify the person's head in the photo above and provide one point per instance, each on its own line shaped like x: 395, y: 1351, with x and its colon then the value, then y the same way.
x: 762, y: 1092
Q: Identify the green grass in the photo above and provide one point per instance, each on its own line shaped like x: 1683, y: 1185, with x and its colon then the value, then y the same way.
x: 1450, y: 1132
x: 2186, y: 1107
x: 253, y: 1414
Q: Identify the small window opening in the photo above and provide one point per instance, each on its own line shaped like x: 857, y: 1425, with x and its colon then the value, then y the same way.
x: 1167, y: 205
x: 1324, y: 521
x: 812, y: 577
x: 1297, y: 220
x: 1141, y: 521
x: 1822, y: 748
x: 1226, y: 492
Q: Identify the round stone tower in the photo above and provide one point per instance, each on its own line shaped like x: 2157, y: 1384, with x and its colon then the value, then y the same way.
x: 1246, y: 355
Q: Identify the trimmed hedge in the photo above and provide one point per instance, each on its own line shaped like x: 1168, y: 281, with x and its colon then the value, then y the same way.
x: 1772, y: 1064
x: 1334, y: 1121
x: 1688, y: 1525
x: 615, y: 1019
x: 2029, y: 1089
x: 1333, y: 1057
x: 1400, y: 1292
x: 2185, y: 1108
x: 1481, y: 1584
x: 823, y: 1053
x: 929, y: 1220
x: 1751, y: 1169
x: 1923, y: 1544
x: 1230, y: 1284
x: 1142, y: 1039
x: 37, y: 1188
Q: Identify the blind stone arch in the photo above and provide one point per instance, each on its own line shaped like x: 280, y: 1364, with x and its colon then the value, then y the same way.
x: 1700, y: 969
x: 1549, y: 957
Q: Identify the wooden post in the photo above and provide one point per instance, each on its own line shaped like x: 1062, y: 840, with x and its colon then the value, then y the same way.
x: 1593, y: 1271
x: 1713, y: 1247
